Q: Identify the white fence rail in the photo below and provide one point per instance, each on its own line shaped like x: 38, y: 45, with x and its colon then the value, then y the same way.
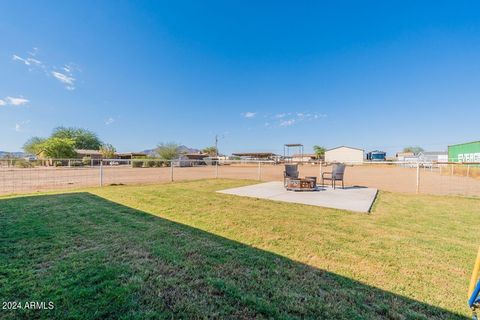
x: 22, y: 176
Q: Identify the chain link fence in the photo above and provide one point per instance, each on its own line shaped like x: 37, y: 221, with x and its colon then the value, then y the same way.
x: 21, y: 176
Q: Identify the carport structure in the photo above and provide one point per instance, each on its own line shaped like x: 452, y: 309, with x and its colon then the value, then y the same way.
x: 288, y: 146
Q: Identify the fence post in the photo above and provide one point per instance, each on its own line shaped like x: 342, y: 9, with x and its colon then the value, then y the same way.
x: 418, y: 178
x: 468, y: 170
x: 171, y: 170
x: 101, y: 173
x: 259, y: 171
x: 216, y: 169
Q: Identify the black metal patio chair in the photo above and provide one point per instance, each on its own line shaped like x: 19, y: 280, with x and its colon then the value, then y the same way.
x: 291, y: 172
x: 338, y: 171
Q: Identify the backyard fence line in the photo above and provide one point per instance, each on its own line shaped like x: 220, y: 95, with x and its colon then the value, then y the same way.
x: 71, y: 162
x: 397, y: 176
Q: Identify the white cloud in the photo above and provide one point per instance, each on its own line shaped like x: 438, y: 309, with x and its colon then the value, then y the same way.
x: 67, y: 80
x: 16, y: 101
x: 109, y: 121
x: 19, y: 127
x: 285, y: 119
x: 29, y: 60
x: 17, y: 58
x: 249, y: 114
x: 287, y: 123
x: 11, y: 101
x: 297, y: 117
x: 64, y: 74
x: 34, y: 52
x: 318, y: 116
x: 35, y: 61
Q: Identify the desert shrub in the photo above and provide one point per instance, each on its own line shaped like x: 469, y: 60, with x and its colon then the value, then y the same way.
x: 87, y: 161
x: 77, y: 163
x: 149, y: 164
x: 37, y: 163
x: 137, y: 164
x: 20, y: 163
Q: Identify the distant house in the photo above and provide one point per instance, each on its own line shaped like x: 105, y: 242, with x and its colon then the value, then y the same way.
x: 97, y: 155
x: 306, y: 157
x: 92, y: 154
x: 190, y: 160
x: 433, y: 156
x: 424, y: 158
x: 344, y: 154
x: 130, y: 155
x: 255, y: 155
x: 406, y: 157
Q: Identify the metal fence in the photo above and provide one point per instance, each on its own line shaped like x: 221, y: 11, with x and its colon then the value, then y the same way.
x: 21, y: 176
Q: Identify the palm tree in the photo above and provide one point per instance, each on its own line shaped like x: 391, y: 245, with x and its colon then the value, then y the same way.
x: 319, y: 151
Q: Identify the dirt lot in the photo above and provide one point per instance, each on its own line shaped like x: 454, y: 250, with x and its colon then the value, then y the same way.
x: 389, y: 178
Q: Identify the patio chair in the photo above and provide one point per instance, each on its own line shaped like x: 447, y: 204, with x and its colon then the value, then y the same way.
x: 338, y: 170
x: 291, y: 172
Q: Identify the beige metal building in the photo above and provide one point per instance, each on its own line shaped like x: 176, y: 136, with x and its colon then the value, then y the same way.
x: 344, y: 154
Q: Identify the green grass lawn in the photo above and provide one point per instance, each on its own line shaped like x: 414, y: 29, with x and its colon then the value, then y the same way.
x: 181, y: 250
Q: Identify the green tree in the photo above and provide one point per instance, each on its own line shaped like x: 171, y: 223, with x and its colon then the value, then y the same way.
x: 83, y: 139
x: 415, y: 150
x: 319, y: 151
x: 108, y: 151
x: 168, y: 151
x: 211, y: 151
x: 57, y: 148
x: 32, y: 146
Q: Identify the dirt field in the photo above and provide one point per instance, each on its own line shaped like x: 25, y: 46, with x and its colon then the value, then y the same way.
x: 389, y: 178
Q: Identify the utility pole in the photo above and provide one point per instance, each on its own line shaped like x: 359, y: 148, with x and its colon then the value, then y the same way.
x: 216, y: 143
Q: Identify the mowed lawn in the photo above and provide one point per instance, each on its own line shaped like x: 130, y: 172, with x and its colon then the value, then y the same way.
x: 181, y: 250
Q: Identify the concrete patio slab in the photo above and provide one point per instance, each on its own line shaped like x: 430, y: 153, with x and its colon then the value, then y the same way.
x: 351, y: 198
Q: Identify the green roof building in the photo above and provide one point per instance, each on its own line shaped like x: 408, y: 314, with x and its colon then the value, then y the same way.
x: 464, y: 152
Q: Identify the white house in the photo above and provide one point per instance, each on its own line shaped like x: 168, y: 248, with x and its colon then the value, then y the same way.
x: 344, y: 154
x: 433, y: 156
x: 406, y: 157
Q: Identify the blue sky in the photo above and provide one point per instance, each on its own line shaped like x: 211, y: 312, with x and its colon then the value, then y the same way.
x: 375, y: 75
